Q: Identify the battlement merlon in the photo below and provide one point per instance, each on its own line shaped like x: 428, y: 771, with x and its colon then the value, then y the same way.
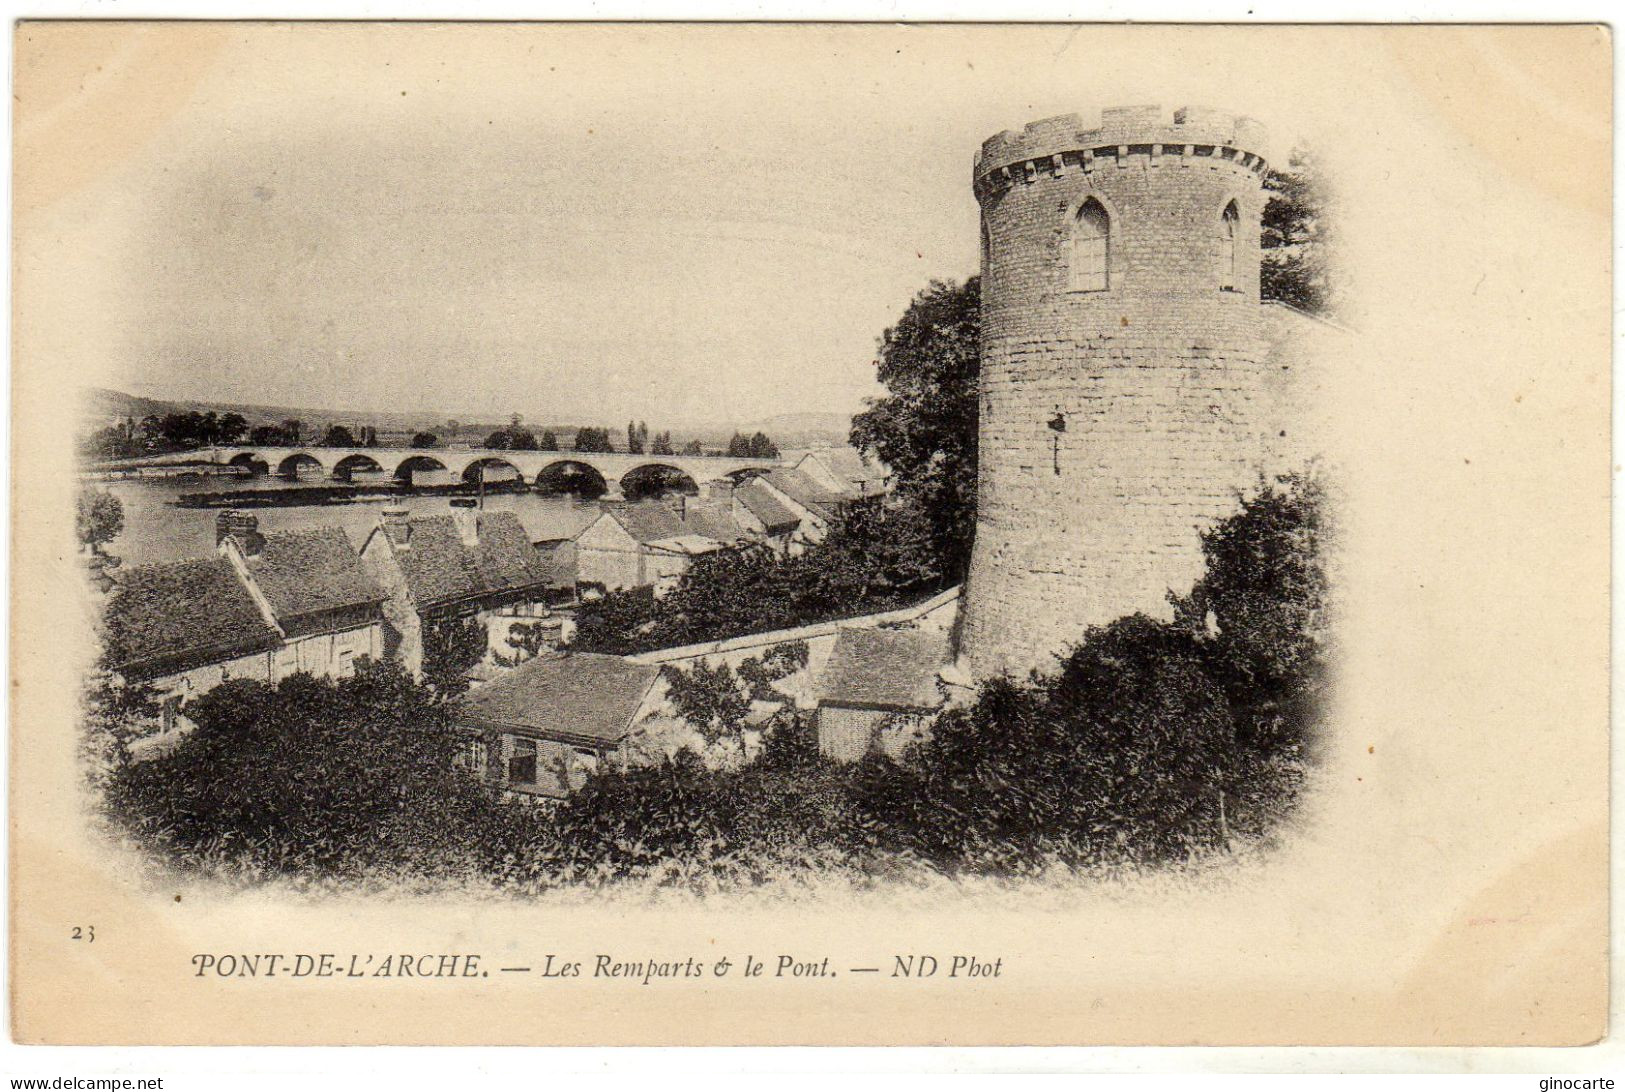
x: 1062, y: 142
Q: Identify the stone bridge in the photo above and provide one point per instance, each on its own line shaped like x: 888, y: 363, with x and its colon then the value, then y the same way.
x: 608, y: 472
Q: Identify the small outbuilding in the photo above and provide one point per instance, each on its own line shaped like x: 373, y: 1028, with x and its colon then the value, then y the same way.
x: 879, y: 689
x: 543, y: 728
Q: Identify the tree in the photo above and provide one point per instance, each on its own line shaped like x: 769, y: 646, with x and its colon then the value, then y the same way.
x: 338, y: 436
x: 499, y: 440
x: 311, y: 777
x: 760, y: 447
x: 593, y: 439
x: 662, y: 444
x: 693, y: 447
x: 269, y: 435
x: 1261, y: 609
x: 548, y: 442
x: 451, y: 647
x: 712, y: 699
x: 293, y: 429
x: 738, y: 446
x: 925, y: 429
x: 425, y: 439
x: 98, y: 518
x: 522, y: 439
x: 1297, y: 238
x: 230, y: 428
x: 634, y: 441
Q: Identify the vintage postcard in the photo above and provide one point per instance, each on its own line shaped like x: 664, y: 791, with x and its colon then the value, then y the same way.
x: 810, y: 534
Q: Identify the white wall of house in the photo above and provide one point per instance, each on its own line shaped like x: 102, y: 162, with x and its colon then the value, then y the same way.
x: 815, y: 468
x: 406, y: 629
x: 608, y: 555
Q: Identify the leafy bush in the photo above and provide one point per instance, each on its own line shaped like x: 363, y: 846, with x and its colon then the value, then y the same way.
x: 877, y: 558
x: 310, y: 776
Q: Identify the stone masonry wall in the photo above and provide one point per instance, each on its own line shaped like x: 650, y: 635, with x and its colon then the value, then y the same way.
x: 1161, y: 378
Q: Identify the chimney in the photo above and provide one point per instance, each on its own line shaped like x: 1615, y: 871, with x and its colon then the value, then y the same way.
x: 396, y: 524
x: 720, y: 490
x: 243, y: 528
x: 466, y: 514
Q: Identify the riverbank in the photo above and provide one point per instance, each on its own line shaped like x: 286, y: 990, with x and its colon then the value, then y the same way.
x: 306, y: 495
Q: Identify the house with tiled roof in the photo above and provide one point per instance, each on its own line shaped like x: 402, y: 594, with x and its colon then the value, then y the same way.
x: 879, y: 689
x: 468, y: 568
x: 312, y: 587
x: 265, y: 607
x: 543, y: 728
x: 816, y: 508
x: 184, y: 627
x: 653, y: 542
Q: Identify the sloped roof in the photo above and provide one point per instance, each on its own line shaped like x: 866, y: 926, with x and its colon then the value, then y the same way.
x: 182, y: 614
x: 711, y: 520
x: 304, y: 572
x: 507, y: 561
x: 761, y: 502
x: 438, y: 567
x: 562, y: 696
x: 691, y: 545
x: 558, y: 561
x: 653, y: 521
x: 800, y: 488
x: 884, y: 669
x: 441, y: 568
x: 646, y: 521
x: 849, y: 463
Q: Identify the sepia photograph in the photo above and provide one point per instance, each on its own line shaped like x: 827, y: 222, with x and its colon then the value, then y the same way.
x: 713, y: 533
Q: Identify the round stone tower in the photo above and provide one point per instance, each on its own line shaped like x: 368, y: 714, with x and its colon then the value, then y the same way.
x: 1124, y: 398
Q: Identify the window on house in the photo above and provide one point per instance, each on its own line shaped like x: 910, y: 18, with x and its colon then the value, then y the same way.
x: 1091, y: 249
x: 583, y: 764
x: 473, y: 757
x: 1229, y: 236
x: 522, y: 762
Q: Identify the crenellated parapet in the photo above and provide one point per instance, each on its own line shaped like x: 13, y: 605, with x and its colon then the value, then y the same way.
x: 1195, y: 136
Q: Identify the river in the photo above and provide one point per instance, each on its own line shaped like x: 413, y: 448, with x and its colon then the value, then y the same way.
x: 155, y: 529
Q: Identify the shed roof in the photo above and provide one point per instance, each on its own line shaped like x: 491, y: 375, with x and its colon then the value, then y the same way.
x: 884, y: 669
x: 306, y: 572
x: 563, y: 696
x: 850, y: 464
x: 652, y: 521
x: 182, y: 614
x: 762, y: 503
x: 799, y: 487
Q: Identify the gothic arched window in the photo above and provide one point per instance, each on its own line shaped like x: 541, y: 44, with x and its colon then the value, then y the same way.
x: 1091, y: 257
x: 1229, y: 236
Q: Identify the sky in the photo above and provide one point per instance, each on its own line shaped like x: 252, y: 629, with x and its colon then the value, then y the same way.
x: 591, y: 223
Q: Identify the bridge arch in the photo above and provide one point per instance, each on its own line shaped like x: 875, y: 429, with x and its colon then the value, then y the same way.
x: 413, y: 464
x: 345, y: 468
x: 300, y: 464
x: 252, y: 461
x: 572, y: 476
x: 653, y: 479
x: 493, y: 468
